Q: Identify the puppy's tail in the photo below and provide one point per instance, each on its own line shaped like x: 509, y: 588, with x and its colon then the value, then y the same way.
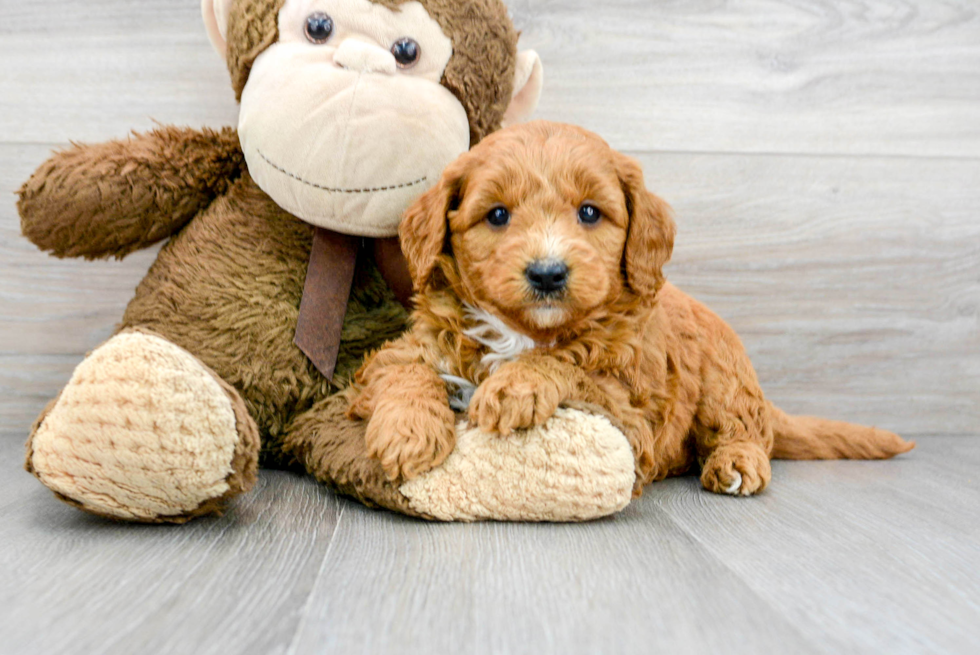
x: 809, y: 437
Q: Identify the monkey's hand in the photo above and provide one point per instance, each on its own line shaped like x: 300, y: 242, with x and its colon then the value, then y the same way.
x: 110, y: 199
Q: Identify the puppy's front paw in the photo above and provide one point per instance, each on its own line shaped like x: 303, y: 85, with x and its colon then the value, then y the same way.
x: 409, y: 440
x: 739, y: 469
x: 514, y: 397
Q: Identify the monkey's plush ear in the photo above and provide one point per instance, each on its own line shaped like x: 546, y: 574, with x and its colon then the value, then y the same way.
x: 423, y: 229
x: 215, y: 13
x: 528, y: 80
x: 650, y: 239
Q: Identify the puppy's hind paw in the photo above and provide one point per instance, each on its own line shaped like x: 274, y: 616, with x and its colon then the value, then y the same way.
x: 735, y: 487
x: 739, y: 469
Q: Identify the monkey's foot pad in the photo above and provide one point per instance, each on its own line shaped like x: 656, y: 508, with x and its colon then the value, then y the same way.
x: 145, y: 432
x: 575, y: 467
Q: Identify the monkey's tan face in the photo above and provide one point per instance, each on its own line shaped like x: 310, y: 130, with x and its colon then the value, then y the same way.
x: 344, y: 121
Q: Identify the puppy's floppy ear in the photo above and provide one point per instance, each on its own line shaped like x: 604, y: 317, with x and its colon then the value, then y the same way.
x: 423, y: 229
x: 650, y: 237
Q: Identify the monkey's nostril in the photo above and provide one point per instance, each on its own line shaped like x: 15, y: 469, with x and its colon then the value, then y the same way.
x: 548, y: 276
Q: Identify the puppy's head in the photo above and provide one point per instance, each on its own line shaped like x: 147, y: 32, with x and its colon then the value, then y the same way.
x: 546, y: 224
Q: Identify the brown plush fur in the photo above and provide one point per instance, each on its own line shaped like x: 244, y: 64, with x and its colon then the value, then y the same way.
x: 110, y: 199
x: 672, y: 372
x: 228, y: 284
x: 480, y: 73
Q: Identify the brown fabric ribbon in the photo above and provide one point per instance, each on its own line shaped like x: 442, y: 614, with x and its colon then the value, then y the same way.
x: 326, y: 291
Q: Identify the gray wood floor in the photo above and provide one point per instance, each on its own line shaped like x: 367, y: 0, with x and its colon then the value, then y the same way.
x: 835, y: 557
x: 824, y: 161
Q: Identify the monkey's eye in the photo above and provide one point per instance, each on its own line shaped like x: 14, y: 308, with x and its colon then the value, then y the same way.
x: 407, y: 52
x: 319, y: 27
x: 589, y: 214
x: 498, y: 216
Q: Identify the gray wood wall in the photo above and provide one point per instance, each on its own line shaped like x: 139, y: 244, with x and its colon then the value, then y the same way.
x: 823, y: 158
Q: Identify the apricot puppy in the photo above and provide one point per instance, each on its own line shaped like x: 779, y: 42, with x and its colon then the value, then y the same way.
x: 537, y: 260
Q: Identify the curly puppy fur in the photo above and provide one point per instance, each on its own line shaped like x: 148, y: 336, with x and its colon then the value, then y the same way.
x: 613, y: 333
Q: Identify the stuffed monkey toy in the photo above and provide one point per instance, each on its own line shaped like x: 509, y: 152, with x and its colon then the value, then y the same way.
x: 282, y: 270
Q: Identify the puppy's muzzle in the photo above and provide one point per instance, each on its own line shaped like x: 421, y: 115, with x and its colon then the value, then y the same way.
x: 548, y: 276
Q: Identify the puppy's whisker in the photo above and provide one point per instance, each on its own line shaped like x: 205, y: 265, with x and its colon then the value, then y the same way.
x: 552, y: 297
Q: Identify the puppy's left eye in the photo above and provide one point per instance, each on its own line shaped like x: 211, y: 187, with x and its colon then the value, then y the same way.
x: 498, y: 216
x: 589, y: 214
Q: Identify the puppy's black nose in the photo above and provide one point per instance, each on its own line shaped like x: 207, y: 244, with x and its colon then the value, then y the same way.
x: 547, y: 276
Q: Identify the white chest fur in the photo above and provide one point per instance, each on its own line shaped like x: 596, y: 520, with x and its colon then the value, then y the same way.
x: 503, y: 345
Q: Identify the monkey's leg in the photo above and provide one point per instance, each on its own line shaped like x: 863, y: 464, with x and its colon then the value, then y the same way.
x: 334, y: 450
x: 145, y: 432
x: 577, y: 466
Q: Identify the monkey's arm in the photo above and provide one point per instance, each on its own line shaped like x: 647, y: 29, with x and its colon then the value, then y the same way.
x: 109, y: 199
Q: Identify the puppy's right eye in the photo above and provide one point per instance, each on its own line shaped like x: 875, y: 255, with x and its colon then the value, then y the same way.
x: 498, y: 216
x: 589, y: 214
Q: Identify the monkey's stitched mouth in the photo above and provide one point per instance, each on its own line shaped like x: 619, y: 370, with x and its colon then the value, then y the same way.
x: 337, y: 189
